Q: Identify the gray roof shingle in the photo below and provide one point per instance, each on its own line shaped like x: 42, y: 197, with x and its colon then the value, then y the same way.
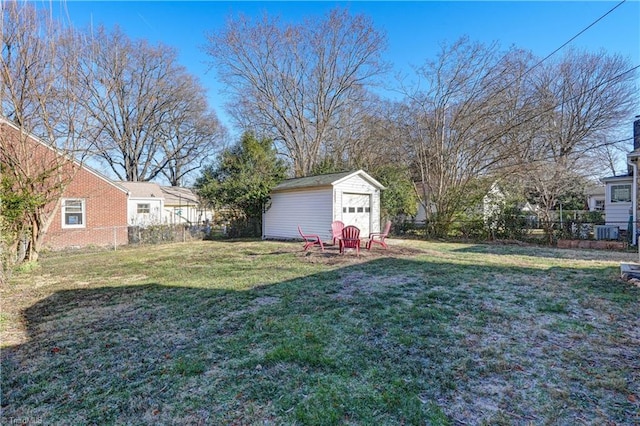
x: 310, y: 181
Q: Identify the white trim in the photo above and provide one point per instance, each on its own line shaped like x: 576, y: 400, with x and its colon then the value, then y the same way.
x: 83, y: 208
x: 612, y: 192
x: 147, y: 209
x: 361, y: 173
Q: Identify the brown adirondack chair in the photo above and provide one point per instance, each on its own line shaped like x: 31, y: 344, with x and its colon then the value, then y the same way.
x: 310, y: 240
x: 379, y: 237
x: 350, y: 239
x: 336, y: 230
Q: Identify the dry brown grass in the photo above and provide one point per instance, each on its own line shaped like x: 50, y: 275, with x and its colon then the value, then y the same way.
x: 260, y: 332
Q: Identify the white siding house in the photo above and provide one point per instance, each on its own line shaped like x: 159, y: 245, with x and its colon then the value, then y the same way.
x: 633, y: 159
x: 314, y: 202
x: 618, y: 200
x: 146, y: 203
x: 182, y: 206
x: 596, y: 196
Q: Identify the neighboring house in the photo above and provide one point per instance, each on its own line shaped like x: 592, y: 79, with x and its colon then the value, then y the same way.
x: 182, y: 206
x: 92, y: 213
x: 421, y: 212
x: 492, y: 203
x: 618, y: 203
x: 92, y: 210
x: 633, y: 159
x: 596, y: 196
x: 314, y: 202
x: 531, y: 214
x: 146, y: 203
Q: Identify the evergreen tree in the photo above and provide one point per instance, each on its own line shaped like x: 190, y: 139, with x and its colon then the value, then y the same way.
x: 242, y: 181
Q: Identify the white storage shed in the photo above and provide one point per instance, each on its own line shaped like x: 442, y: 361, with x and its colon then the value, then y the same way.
x: 314, y: 202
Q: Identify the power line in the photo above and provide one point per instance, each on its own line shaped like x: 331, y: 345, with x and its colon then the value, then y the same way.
x: 620, y: 140
x: 576, y: 36
x: 526, y: 119
x: 559, y: 48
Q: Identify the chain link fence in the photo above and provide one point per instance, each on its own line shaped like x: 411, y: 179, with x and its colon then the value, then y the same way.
x: 523, y: 229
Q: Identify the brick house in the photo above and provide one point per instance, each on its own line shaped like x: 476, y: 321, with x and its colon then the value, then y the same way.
x: 92, y: 209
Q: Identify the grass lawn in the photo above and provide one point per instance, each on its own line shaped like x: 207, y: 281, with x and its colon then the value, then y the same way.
x: 252, y: 332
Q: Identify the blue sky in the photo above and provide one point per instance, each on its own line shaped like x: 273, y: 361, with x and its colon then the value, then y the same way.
x: 413, y: 29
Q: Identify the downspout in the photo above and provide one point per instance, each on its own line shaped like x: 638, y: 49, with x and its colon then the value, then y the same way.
x: 634, y: 201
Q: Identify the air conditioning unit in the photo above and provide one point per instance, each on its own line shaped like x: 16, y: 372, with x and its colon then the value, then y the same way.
x: 606, y: 232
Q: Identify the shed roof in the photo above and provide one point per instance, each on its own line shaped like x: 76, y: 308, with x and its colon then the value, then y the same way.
x: 143, y: 189
x: 178, y: 195
x: 324, y: 180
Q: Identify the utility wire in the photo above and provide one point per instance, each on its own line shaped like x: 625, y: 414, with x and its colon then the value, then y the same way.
x: 528, y: 70
x: 575, y: 36
x: 578, y: 95
x: 525, y: 119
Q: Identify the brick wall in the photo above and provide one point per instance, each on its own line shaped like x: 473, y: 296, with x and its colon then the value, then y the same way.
x: 592, y: 244
x: 105, y: 220
x: 106, y: 214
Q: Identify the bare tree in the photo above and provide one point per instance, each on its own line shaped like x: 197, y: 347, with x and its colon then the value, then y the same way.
x: 609, y: 159
x: 189, y: 142
x: 189, y: 136
x: 584, y: 98
x: 149, y: 115
x: 39, y: 92
x: 294, y: 82
x: 456, y: 126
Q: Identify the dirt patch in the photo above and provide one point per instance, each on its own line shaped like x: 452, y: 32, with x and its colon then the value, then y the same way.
x: 332, y: 255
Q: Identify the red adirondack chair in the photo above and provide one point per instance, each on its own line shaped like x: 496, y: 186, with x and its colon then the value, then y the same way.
x: 379, y: 237
x: 350, y: 239
x: 310, y: 240
x: 336, y: 230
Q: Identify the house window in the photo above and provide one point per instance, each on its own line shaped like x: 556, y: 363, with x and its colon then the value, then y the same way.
x: 621, y: 193
x: 144, y: 208
x: 360, y: 209
x: 73, y: 212
x: 352, y: 209
x: 367, y: 209
x: 599, y: 205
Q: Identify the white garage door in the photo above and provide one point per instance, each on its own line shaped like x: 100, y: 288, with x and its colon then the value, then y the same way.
x: 356, y: 211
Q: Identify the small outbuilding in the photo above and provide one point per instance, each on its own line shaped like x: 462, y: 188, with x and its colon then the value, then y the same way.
x: 314, y: 202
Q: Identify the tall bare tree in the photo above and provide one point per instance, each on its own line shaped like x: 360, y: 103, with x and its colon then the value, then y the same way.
x: 584, y: 99
x: 294, y: 82
x: 189, y: 142
x: 149, y: 115
x: 455, y: 126
x: 39, y: 92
